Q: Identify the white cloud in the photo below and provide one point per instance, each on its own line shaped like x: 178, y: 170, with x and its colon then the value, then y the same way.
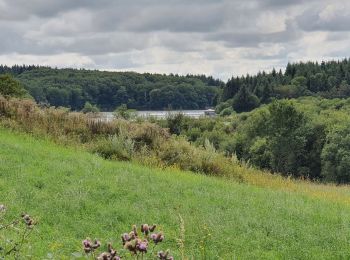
x: 221, y: 38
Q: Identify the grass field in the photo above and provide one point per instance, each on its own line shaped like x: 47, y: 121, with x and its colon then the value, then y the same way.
x: 74, y: 194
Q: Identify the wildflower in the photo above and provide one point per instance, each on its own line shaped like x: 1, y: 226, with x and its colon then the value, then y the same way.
x: 164, y: 255
x: 28, y: 220
x: 157, y: 237
x: 142, y: 246
x: 126, y: 238
x: 96, y: 245
x: 88, y: 246
x: 131, y: 246
x: 145, y: 229
x: 152, y: 228
x: 103, y: 256
x: 110, y: 255
x: 2, y: 208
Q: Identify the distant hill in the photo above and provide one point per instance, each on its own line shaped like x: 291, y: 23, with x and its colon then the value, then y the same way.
x: 108, y: 90
x: 328, y: 79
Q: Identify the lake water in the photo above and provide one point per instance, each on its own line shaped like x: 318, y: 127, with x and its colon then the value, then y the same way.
x: 157, y: 114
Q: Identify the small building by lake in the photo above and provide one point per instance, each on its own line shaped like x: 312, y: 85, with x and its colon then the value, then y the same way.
x: 209, y: 112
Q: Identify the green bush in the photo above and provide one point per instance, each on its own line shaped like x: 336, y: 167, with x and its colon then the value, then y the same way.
x: 10, y: 87
x: 260, y: 154
x: 118, y: 147
x: 227, y: 111
x: 89, y: 108
x: 336, y: 156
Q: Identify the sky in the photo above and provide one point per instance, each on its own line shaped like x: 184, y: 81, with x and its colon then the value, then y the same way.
x: 222, y: 38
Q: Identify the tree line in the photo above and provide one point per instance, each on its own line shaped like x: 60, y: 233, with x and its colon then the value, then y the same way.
x: 329, y: 79
x: 107, y: 90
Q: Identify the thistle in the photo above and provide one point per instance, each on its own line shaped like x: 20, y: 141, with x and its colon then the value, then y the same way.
x: 137, y: 243
x: 164, y: 255
x: 28, y: 220
x: 89, y: 246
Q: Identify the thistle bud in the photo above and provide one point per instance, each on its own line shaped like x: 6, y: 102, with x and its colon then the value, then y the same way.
x: 145, y: 229
x: 157, y: 237
x: 125, y: 238
x: 104, y: 256
x: 130, y: 246
x: 96, y: 244
x: 164, y: 255
x: 152, y: 228
x: 87, y: 246
x: 132, y: 235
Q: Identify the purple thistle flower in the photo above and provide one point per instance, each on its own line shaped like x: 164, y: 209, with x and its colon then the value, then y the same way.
x: 142, y: 247
x: 157, y: 237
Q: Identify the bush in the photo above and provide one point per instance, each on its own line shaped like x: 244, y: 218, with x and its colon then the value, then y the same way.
x: 179, y: 152
x: 89, y: 108
x: 10, y: 87
x: 336, y: 156
x: 119, y: 147
x: 227, y: 111
x: 175, y: 123
x: 123, y: 112
x: 260, y: 154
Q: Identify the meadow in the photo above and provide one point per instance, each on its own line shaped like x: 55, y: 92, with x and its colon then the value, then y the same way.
x: 74, y: 194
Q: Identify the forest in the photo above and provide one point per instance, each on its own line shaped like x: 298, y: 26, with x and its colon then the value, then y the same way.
x: 108, y: 90
x: 328, y: 79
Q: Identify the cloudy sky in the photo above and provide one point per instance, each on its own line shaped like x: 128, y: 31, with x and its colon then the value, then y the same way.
x: 215, y: 37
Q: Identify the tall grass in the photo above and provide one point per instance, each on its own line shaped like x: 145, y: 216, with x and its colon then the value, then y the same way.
x: 149, y: 145
x: 118, y: 139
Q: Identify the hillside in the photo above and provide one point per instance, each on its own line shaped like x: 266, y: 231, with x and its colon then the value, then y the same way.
x: 75, y: 194
x: 108, y: 90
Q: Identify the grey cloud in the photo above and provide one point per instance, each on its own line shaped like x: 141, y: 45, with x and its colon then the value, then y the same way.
x: 283, y: 3
x: 107, y: 31
x: 253, y: 39
x: 313, y: 20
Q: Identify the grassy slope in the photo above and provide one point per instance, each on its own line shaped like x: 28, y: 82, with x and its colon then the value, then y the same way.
x: 75, y: 194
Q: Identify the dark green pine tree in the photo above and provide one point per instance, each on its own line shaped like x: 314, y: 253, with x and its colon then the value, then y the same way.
x: 244, y: 100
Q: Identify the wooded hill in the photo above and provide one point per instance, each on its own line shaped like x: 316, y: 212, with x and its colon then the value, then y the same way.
x: 108, y: 90
x: 326, y: 79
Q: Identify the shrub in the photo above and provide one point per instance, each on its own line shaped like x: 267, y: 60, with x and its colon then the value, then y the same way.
x: 260, y: 154
x: 226, y: 112
x: 10, y: 87
x: 119, y: 147
x: 336, y: 156
x: 123, y: 112
x: 175, y: 123
x: 89, y: 108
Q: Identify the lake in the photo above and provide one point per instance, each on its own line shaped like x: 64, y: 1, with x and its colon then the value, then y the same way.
x: 157, y: 114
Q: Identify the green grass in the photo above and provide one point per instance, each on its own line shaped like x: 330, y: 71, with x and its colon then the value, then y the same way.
x: 75, y: 194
